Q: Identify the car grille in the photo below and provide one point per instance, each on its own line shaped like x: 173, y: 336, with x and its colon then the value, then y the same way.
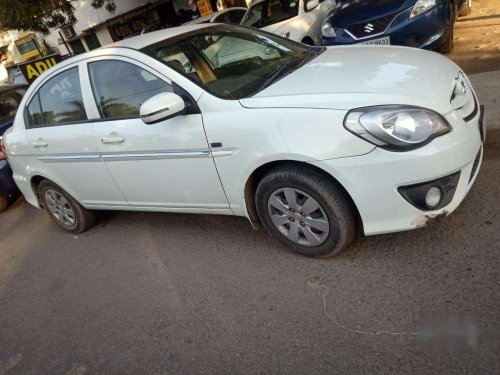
x: 370, y: 28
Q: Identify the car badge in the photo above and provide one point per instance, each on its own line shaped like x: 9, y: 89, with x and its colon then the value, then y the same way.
x: 368, y: 28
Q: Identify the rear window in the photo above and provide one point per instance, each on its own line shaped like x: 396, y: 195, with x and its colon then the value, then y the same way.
x: 58, y: 101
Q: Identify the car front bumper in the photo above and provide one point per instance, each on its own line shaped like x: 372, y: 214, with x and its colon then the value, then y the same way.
x: 7, y: 184
x: 423, y: 31
x: 372, y: 180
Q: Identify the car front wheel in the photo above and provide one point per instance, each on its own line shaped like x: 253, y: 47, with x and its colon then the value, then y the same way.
x: 305, y: 211
x: 63, y: 209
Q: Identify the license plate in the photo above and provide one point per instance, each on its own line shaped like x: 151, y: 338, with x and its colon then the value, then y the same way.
x: 385, y: 41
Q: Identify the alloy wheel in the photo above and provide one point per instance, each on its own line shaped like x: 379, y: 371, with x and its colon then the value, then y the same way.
x: 60, y: 208
x: 298, y: 216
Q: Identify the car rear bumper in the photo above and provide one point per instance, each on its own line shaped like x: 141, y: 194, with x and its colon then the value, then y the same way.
x: 373, y: 179
x: 7, y: 184
x: 423, y: 31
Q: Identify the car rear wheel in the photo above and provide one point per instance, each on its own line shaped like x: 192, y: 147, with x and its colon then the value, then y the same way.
x: 304, y: 211
x: 466, y: 8
x: 65, y: 211
x: 4, y: 203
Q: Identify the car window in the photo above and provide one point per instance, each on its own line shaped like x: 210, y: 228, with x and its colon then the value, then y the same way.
x: 9, y: 102
x: 120, y: 87
x: 233, y: 62
x: 235, y: 16
x: 58, y: 101
x: 270, y: 12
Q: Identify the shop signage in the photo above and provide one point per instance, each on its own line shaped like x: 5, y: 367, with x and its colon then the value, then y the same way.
x: 32, y: 69
x: 129, y: 27
x: 204, y: 7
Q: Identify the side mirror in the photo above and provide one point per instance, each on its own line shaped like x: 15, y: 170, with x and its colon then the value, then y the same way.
x: 311, y: 4
x: 161, y: 107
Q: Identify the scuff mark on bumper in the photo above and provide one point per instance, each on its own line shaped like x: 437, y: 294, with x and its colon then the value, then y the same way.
x: 424, y: 220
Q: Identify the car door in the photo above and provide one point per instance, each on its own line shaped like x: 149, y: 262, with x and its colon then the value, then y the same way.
x: 167, y: 165
x: 60, y: 138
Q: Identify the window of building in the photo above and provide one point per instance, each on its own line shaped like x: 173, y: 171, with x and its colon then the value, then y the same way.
x: 120, y: 87
x: 77, y: 46
x: 92, y: 41
x: 58, y: 101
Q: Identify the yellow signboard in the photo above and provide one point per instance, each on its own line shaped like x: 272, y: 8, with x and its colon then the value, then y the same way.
x: 204, y: 7
x: 32, y: 69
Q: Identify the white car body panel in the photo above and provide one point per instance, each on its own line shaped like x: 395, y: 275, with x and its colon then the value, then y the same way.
x: 298, y: 118
x: 307, y: 24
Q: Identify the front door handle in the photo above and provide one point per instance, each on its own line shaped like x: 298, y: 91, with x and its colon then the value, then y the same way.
x: 40, y: 143
x: 112, y: 140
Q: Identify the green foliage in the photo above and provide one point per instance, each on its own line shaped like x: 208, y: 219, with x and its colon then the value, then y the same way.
x: 42, y: 15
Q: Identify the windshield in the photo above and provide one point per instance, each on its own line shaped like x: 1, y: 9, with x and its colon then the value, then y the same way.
x: 9, y: 101
x: 232, y: 62
x: 268, y: 12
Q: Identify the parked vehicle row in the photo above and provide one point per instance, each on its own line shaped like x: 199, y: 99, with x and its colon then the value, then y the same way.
x: 426, y: 24
x: 171, y: 121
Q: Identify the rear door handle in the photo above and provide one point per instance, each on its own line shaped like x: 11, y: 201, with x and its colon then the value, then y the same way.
x: 112, y: 140
x: 40, y: 144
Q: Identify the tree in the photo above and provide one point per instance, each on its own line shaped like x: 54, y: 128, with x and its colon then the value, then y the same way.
x: 42, y: 15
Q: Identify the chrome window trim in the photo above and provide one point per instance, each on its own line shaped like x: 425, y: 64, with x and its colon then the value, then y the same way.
x: 123, y: 156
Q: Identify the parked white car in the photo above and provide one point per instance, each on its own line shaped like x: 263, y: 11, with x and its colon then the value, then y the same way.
x: 306, y: 142
x: 230, y: 15
x: 299, y: 20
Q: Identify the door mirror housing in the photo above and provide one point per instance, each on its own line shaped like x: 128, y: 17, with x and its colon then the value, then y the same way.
x: 162, y: 107
x: 311, y: 4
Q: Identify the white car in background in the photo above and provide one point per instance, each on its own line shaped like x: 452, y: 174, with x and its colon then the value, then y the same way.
x: 307, y: 141
x: 232, y: 15
x: 299, y: 20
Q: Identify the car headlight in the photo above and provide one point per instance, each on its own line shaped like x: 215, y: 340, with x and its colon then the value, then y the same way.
x: 327, y: 29
x: 421, y: 6
x: 396, y: 127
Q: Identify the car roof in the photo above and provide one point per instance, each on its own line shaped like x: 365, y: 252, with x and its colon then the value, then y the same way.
x: 208, y: 18
x: 141, y: 41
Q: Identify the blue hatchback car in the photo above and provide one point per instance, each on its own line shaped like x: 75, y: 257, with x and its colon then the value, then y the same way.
x: 414, y: 23
x: 10, y: 97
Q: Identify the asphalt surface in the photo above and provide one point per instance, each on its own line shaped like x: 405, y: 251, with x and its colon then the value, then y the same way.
x: 152, y: 293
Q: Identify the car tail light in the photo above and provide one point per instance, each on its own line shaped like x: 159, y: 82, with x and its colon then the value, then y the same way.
x: 3, y: 153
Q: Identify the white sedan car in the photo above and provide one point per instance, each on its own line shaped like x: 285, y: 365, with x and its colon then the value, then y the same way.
x: 307, y: 141
x: 299, y: 20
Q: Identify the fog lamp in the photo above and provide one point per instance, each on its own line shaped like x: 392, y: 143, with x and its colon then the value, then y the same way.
x: 433, y: 197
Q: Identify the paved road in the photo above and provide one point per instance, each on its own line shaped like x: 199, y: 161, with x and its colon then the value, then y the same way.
x: 165, y: 293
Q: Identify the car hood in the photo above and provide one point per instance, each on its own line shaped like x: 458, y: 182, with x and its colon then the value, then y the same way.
x: 357, y: 11
x: 354, y: 76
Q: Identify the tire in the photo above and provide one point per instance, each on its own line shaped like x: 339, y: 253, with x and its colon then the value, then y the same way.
x: 447, y: 44
x: 336, y: 232
x: 4, y: 203
x: 49, y: 193
x: 466, y: 8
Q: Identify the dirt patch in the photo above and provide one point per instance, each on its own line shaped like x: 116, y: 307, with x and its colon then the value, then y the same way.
x: 477, y: 38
